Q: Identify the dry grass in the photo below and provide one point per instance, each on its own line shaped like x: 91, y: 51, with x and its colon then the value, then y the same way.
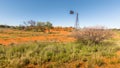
x: 92, y: 35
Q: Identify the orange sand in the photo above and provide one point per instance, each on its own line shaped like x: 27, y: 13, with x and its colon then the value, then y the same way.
x: 15, y: 36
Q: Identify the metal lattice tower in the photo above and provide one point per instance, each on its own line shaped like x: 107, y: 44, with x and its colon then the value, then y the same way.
x: 77, y: 22
x: 76, y: 26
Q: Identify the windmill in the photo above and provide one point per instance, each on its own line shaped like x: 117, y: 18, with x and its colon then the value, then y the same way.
x: 76, y: 26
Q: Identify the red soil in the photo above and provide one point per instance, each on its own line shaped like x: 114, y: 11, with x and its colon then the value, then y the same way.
x: 7, y: 37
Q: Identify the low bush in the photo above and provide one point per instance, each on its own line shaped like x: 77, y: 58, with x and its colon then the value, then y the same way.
x: 92, y: 35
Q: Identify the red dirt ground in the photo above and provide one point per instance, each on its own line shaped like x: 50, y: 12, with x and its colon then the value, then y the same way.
x: 8, y: 37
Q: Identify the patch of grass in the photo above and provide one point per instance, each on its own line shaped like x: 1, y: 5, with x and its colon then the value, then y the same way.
x: 99, y: 62
x: 38, y: 53
x: 113, y: 62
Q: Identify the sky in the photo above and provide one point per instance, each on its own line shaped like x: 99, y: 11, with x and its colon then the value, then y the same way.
x: 91, y: 12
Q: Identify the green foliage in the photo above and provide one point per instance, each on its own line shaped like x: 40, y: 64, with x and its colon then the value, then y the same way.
x: 40, y: 24
x: 49, y: 26
x: 35, y: 26
x: 4, y: 26
x: 40, y: 53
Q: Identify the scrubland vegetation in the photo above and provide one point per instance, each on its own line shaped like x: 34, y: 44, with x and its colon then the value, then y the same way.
x: 91, y: 48
x: 56, y: 55
x: 92, y: 35
x: 31, y: 26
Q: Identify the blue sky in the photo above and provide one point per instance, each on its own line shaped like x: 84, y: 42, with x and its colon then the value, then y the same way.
x: 91, y: 12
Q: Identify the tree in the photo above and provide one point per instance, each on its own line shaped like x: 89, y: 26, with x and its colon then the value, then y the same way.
x: 48, y: 26
x: 41, y: 26
x: 30, y: 23
x: 21, y: 27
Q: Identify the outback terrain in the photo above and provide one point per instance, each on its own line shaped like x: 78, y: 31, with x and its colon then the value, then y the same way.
x: 58, y: 48
x: 12, y: 36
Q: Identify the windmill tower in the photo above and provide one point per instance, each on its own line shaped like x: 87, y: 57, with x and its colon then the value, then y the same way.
x: 76, y: 26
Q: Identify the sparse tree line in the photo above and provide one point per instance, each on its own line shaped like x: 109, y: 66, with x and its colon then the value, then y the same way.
x: 36, y: 26
x: 6, y: 26
x: 32, y: 26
